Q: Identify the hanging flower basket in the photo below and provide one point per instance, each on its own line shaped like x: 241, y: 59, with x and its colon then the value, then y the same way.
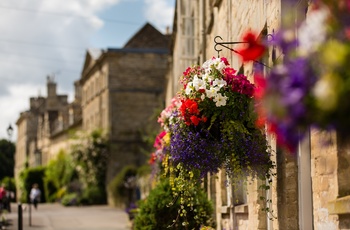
x: 213, y: 126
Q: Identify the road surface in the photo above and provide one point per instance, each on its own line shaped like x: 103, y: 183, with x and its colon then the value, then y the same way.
x: 58, y: 217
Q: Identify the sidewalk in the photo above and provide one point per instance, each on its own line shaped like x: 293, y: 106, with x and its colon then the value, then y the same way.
x: 58, y: 217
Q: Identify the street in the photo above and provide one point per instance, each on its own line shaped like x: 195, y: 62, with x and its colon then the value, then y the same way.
x: 58, y: 217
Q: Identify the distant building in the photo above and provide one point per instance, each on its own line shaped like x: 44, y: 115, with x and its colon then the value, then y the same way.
x: 42, y: 130
x: 119, y: 91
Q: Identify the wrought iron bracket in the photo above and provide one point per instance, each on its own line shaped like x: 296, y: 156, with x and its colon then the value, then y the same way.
x: 225, y: 45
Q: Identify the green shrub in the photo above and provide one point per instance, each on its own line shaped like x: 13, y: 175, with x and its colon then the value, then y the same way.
x: 59, y: 173
x: 29, y: 177
x: 10, y: 184
x: 144, y: 170
x: 122, y: 196
x: 50, y: 189
x: 60, y: 193
x: 93, y: 195
x: 156, y: 211
x: 70, y: 199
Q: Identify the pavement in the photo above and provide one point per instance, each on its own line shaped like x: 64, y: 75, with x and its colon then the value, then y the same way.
x: 58, y: 217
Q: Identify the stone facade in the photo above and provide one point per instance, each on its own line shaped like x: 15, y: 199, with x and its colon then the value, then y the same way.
x: 309, y: 192
x: 121, y: 91
x: 43, y: 129
x: 196, y: 25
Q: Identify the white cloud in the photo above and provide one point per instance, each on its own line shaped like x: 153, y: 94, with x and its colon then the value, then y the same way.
x: 160, y: 13
x: 38, y: 38
x: 45, y: 37
x: 12, y: 104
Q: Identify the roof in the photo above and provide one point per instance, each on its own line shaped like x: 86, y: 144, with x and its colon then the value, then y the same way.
x: 148, y: 37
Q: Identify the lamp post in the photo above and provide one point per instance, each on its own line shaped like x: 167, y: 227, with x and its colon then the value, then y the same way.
x: 10, y: 131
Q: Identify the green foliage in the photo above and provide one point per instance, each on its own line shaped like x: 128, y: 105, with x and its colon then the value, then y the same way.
x: 160, y: 210
x: 144, y: 170
x: 10, y: 184
x: 59, y: 173
x: 118, y: 188
x: 93, y: 195
x: 70, y: 199
x: 90, y: 155
x: 7, y: 153
x: 29, y: 177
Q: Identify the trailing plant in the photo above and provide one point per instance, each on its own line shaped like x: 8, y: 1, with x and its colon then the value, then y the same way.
x: 161, y: 211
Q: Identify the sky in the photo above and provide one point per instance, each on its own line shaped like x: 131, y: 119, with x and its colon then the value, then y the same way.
x: 40, y: 38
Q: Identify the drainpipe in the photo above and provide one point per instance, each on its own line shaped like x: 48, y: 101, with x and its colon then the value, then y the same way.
x: 269, y: 197
x: 305, y: 184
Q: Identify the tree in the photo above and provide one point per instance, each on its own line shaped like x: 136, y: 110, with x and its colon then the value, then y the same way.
x: 7, y: 160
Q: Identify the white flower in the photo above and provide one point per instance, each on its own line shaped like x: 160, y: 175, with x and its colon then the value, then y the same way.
x: 212, y: 92
x: 220, y: 66
x: 219, y: 82
x: 206, y: 65
x: 324, y: 91
x: 198, y: 83
x: 220, y: 100
x: 189, y: 88
x: 206, y: 77
x: 203, y: 96
x: 312, y: 32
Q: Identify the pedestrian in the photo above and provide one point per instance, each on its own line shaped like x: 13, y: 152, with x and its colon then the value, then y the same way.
x: 5, y: 198
x: 2, y: 196
x: 35, y: 195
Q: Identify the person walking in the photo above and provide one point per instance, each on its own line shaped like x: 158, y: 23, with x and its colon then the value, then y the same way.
x: 35, y: 195
x: 2, y: 197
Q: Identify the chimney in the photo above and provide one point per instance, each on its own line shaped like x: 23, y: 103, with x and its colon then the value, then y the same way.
x: 167, y: 30
x: 51, y: 87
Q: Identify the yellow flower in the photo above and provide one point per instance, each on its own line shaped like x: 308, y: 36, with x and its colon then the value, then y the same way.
x: 166, y: 139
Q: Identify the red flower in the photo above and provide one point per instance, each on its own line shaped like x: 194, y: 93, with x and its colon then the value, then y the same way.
x: 195, y: 120
x: 253, y: 50
x: 190, y: 112
x: 260, y: 83
x: 229, y: 72
x: 152, y: 159
x: 261, y: 120
x: 224, y: 60
x: 187, y: 71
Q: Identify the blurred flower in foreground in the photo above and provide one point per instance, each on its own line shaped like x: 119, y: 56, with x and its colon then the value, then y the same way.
x: 253, y: 49
x: 309, y: 89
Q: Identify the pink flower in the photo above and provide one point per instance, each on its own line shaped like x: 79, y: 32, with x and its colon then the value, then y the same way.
x: 158, y: 144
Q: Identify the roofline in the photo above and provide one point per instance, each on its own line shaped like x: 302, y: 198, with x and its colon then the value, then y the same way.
x: 109, y: 51
x: 139, y: 50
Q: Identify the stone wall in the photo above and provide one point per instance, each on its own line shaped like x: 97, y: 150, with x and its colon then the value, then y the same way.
x: 136, y: 94
x: 231, y: 19
x: 324, y: 165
